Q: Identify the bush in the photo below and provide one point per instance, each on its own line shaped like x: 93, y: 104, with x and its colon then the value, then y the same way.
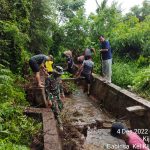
x: 141, y: 82
x: 68, y: 86
x: 10, y: 146
x: 123, y: 73
x: 15, y: 128
x: 130, y: 37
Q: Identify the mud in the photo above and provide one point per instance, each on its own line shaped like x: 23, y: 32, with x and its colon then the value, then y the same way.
x: 87, y: 125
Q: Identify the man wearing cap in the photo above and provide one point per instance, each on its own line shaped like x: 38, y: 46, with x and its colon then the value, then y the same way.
x: 131, y: 138
x: 106, y: 56
x: 54, y: 91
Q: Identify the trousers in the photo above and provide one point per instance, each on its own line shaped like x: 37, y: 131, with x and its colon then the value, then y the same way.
x: 107, y: 69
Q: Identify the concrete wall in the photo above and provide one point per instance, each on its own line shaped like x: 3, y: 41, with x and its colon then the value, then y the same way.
x: 36, y: 96
x: 115, y: 100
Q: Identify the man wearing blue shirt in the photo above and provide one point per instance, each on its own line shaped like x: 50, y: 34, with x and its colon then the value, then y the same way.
x: 106, y: 55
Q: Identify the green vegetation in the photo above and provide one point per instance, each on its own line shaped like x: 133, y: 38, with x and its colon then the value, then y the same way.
x: 66, y: 75
x: 129, y: 75
x: 30, y: 27
x: 141, y: 82
x: 130, y: 43
x: 123, y: 73
x: 16, y: 129
x: 68, y: 86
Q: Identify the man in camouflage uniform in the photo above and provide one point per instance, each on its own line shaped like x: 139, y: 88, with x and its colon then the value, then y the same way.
x: 54, y: 91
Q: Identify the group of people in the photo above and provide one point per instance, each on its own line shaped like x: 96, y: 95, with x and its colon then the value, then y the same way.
x: 84, y: 65
x: 54, y: 89
x: 85, y: 61
x: 53, y: 82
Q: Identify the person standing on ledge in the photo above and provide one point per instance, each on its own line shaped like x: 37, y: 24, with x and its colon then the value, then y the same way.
x: 35, y: 63
x: 106, y: 55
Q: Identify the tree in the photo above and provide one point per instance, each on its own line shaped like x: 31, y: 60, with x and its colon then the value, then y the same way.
x: 104, y: 21
x: 140, y: 12
x: 67, y: 9
x: 41, y: 26
x: 70, y: 30
x: 76, y: 32
x: 14, y: 26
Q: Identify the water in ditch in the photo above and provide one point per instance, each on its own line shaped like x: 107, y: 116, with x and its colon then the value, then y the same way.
x: 86, y: 125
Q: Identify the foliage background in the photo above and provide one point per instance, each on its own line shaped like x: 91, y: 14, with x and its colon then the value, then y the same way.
x: 29, y: 27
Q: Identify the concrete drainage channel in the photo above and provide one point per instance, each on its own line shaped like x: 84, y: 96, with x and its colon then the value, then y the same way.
x: 86, y: 126
x: 86, y: 123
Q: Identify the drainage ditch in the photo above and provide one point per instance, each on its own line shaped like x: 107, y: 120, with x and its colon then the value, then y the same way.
x: 86, y: 124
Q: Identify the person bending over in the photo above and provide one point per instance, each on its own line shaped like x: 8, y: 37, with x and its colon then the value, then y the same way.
x: 131, y: 138
x: 35, y: 63
x: 70, y: 62
x: 87, y: 53
x: 86, y: 71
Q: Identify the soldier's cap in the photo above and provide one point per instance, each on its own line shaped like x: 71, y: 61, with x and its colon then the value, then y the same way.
x: 58, y: 70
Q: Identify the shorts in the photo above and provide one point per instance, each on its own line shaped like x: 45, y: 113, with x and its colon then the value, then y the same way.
x: 34, y: 66
x: 107, y: 69
x: 88, y: 77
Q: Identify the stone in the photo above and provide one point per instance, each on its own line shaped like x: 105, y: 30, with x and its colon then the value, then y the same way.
x: 138, y: 110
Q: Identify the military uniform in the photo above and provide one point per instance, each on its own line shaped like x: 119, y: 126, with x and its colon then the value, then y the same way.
x: 54, y: 90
